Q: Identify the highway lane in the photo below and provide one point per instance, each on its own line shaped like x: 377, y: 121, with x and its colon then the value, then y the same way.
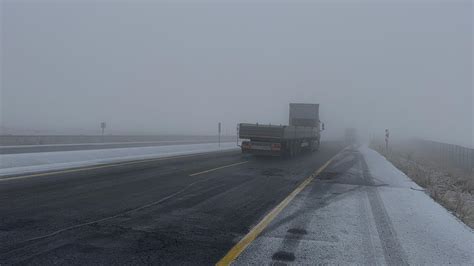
x: 187, y: 210
x: 95, y: 146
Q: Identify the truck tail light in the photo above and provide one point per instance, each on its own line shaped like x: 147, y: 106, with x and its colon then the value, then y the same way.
x: 276, y: 146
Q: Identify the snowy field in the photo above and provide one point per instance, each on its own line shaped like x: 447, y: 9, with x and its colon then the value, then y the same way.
x: 12, y: 164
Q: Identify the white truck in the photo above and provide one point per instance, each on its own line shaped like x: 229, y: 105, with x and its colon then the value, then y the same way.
x: 302, y: 133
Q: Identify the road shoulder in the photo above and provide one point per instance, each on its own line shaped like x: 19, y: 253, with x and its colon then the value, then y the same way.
x: 362, y: 210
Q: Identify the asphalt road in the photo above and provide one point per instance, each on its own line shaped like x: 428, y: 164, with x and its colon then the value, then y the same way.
x: 188, y: 210
x: 94, y: 146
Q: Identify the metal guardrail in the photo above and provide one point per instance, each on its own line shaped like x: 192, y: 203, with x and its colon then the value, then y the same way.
x: 455, y: 155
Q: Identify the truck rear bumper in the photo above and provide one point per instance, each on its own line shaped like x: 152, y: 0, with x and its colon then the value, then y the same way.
x: 262, y: 148
x: 262, y: 153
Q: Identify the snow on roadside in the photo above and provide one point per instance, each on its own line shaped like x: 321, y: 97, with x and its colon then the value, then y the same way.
x: 426, y: 230
x: 91, y: 144
x: 383, y: 172
x: 11, y: 164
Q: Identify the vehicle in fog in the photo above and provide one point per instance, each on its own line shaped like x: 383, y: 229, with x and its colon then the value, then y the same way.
x: 350, y: 136
x: 302, y: 133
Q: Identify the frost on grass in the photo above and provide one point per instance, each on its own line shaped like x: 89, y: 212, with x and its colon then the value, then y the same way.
x: 451, y: 187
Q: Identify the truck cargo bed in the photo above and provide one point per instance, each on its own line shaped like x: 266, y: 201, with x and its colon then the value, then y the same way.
x: 274, y: 132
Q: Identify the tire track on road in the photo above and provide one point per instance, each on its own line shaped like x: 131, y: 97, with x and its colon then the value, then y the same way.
x: 392, y: 249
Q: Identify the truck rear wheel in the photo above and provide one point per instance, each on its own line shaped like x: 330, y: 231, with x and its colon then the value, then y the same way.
x: 316, y: 145
x: 291, y: 149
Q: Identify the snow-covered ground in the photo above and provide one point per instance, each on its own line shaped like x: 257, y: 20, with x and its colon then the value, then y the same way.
x: 362, y: 210
x: 425, y: 228
x: 383, y: 172
x: 91, y: 144
x: 11, y: 164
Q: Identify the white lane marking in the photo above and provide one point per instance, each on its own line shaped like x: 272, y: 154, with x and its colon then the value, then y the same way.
x: 217, y: 168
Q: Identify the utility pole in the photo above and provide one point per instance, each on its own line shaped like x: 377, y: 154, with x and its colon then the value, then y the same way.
x: 387, y: 135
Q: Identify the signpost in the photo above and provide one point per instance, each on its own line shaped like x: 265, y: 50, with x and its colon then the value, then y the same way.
x: 102, y: 126
x: 219, y: 129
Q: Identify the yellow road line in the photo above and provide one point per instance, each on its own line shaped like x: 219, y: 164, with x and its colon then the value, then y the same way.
x: 217, y: 168
x: 100, y: 167
x: 252, y: 235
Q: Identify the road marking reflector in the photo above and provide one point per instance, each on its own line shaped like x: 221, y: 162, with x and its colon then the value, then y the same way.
x: 252, y: 235
x: 217, y: 168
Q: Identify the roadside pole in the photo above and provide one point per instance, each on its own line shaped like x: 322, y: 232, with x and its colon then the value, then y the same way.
x: 102, y: 126
x: 387, y: 135
x: 237, y: 138
x: 219, y: 129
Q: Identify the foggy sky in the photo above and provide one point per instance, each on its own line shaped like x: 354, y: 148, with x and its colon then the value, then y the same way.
x: 162, y: 68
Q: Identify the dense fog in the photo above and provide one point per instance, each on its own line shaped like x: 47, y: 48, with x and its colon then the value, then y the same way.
x: 180, y: 68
